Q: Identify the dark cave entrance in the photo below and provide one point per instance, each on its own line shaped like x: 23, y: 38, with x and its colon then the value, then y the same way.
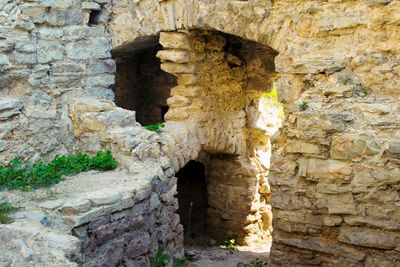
x: 140, y: 83
x: 192, y: 198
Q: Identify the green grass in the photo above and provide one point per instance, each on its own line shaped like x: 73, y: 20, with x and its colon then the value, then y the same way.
x: 155, y: 127
x: 304, y: 105
x: 5, y: 209
x: 27, y: 176
x: 253, y: 263
x: 160, y: 259
x: 230, y: 243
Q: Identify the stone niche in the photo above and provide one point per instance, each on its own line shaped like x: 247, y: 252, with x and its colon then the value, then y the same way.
x: 140, y: 83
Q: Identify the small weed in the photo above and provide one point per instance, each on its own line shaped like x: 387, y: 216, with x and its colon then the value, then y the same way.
x: 304, y: 105
x: 5, y: 209
x: 155, y: 127
x: 180, y: 262
x: 253, y: 263
x: 160, y: 259
x: 345, y: 80
x: 229, y: 243
x: 361, y: 90
x: 307, y: 84
x: 27, y: 176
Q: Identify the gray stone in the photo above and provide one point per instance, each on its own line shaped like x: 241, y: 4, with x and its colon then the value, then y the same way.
x: 9, y: 107
x: 89, y: 49
x: 5, y: 64
x: 102, y: 66
x: 48, y: 51
x: 394, y: 150
x: 3, y: 145
x: 104, y: 197
x: 367, y: 237
x: 138, y: 245
x: 75, y: 206
x: 52, y: 204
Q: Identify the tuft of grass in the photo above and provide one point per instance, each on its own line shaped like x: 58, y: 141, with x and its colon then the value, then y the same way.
x: 5, y: 209
x: 304, y: 105
x: 253, y: 263
x: 180, y: 262
x: 27, y: 176
x: 229, y: 243
x: 155, y: 127
x: 345, y: 80
x: 361, y: 90
x: 160, y: 259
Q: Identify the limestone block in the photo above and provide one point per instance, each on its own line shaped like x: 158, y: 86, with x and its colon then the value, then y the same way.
x: 332, y: 220
x: 289, y: 88
x: 100, y: 198
x: 366, y: 178
x: 88, y: 49
x: 9, y: 108
x: 394, y: 149
x: 326, y: 168
x: 59, y: 16
x: 296, y: 146
x: 377, y: 108
x: 367, y: 237
x: 178, y: 101
x: 75, y: 206
x: 52, y: 204
x: 175, y: 40
x: 338, y: 204
x: 187, y: 91
x: 3, y: 145
x: 91, y: 105
x: 48, y: 51
x: 176, y: 68
x: 35, y: 11
x: 102, y: 66
x: 5, y: 63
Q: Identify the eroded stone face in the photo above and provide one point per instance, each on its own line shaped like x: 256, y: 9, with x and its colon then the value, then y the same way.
x: 336, y: 159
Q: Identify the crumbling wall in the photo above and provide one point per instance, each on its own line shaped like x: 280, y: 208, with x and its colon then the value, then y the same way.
x: 221, y: 81
x: 49, y: 55
x: 335, y: 169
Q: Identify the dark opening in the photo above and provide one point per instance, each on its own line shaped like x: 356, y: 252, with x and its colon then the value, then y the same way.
x: 141, y: 85
x: 192, y: 198
x: 94, y: 18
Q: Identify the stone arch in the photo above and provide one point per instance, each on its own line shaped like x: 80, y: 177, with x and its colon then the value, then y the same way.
x: 177, y: 30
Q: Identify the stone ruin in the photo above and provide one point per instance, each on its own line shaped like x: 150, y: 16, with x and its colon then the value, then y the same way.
x: 315, y: 169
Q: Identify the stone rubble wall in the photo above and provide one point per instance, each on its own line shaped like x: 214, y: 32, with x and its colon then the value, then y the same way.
x: 50, y: 54
x: 335, y: 165
x: 221, y: 92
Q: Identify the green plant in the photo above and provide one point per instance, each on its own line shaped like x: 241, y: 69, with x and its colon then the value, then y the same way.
x: 229, y: 243
x: 155, y: 127
x: 160, y: 259
x: 5, y: 209
x: 253, y: 263
x: 26, y: 176
x: 180, y: 262
x: 304, y: 105
x: 361, y: 90
x: 345, y: 80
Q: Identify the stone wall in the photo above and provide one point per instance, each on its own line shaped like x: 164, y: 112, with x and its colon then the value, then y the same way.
x: 48, y: 56
x: 335, y: 169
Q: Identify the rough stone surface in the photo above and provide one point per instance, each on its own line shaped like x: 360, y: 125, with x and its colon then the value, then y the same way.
x: 336, y: 159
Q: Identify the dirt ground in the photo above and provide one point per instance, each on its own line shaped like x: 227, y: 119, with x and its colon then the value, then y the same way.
x: 206, y: 254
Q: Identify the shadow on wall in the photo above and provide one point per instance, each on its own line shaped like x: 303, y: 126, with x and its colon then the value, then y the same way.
x: 140, y: 83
